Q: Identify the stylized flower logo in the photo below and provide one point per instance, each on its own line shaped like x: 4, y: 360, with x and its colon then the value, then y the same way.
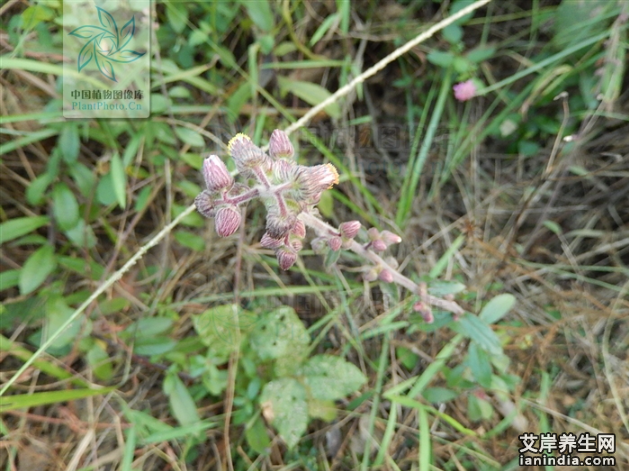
x: 106, y: 44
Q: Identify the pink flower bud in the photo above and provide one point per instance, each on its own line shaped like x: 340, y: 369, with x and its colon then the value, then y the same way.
x: 335, y: 243
x: 286, y: 257
x: 349, y: 229
x: 425, y: 311
x: 379, y: 245
x: 216, y: 175
x: 297, y: 245
x: 205, y: 204
x: 386, y: 276
x: 269, y: 242
x: 246, y: 154
x: 465, y: 90
x: 371, y: 275
x: 311, y: 181
x: 280, y: 145
x: 299, y: 229
x: 278, y: 226
x: 373, y: 233
x: 283, y: 171
x: 390, y: 238
x: 227, y: 220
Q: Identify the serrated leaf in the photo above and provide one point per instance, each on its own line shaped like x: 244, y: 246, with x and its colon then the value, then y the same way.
x: 39, y: 265
x: 279, y: 333
x: 283, y: 403
x: 478, y: 330
x: 328, y: 377
x: 190, y: 137
x: 480, y: 365
x: 181, y: 403
x: 497, y: 308
x: 311, y: 93
x: 65, y: 207
x: 14, y: 228
x: 119, y: 180
x: 218, y: 329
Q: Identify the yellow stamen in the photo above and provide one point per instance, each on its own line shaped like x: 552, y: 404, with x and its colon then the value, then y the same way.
x: 334, y: 172
x: 233, y: 139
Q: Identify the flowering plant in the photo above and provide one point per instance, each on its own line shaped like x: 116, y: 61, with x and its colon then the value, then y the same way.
x: 290, y: 193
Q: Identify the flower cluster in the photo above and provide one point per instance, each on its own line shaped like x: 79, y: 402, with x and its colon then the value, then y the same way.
x: 286, y: 189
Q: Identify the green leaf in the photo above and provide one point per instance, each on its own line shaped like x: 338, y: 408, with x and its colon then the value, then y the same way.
x: 406, y: 357
x: 238, y: 99
x: 148, y: 327
x: 440, y: 58
x: 497, y: 308
x: 82, y: 235
x: 115, y: 305
x: 69, y: 142
x: 25, y: 401
x: 323, y: 28
x: 84, y: 178
x: 58, y: 312
x: 261, y: 14
x: 478, y: 330
x: 324, y: 410
x: 441, y: 288
x: 14, y: 228
x: 279, y: 333
x: 452, y: 33
x: 480, y: 365
x: 119, y: 180
x: 190, y: 240
x: 311, y: 93
x: 105, y: 190
x: 181, y: 402
x: 438, y: 394
x: 9, y: 279
x: 38, y: 266
x: 99, y: 361
x: 257, y: 436
x: 219, y: 329
x: 190, y: 137
x: 177, y: 15
x: 284, y: 404
x: 552, y: 226
x: 326, y: 204
x: 65, y: 206
x: 480, y: 54
x: 149, y: 346
x: 37, y: 188
x: 478, y: 409
x: 328, y: 377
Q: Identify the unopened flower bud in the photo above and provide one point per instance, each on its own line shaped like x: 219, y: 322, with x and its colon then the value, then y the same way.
x: 216, y: 175
x: 278, y: 226
x: 283, y: 170
x: 347, y: 243
x: 246, y: 154
x: 269, y: 242
x: 280, y: 146
x: 379, y: 245
x: 464, y: 91
x: 386, y: 276
x: 205, y: 204
x: 318, y: 244
x: 371, y: 275
x: 425, y: 311
x: 227, y: 220
x: 335, y: 243
x: 311, y: 181
x: 392, y: 262
x: 390, y: 238
x: 299, y: 229
x: 349, y: 229
x: 373, y: 233
x: 286, y: 257
x: 297, y: 245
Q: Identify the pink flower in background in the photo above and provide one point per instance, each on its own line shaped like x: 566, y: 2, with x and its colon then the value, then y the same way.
x: 465, y: 90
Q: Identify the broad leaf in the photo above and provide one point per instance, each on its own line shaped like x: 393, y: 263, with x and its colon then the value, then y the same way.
x: 14, y: 228
x: 284, y: 404
x: 65, y: 207
x: 219, y: 329
x: 37, y: 268
x: 181, y: 402
x: 480, y: 365
x: 497, y: 308
x: 279, y: 333
x: 311, y: 93
x: 328, y: 377
x: 479, y: 331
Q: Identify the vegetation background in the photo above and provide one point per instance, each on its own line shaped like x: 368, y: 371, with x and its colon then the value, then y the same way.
x: 519, y: 193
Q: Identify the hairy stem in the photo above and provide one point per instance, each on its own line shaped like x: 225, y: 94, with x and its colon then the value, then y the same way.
x: 323, y: 228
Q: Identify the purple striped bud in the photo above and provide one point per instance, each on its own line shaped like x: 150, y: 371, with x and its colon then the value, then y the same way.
x: 269, y: 242
x: 386, y: 276
x: 286, y: 257
x: 379, y: 245
x: 283, y: 170
x: 246, y: 154
x: 216, y: 175
x: 349, y: 229
x: 373, y: 233
x: 299, y: 229
x: 227, y: 220
x: 297, y: 245
x: 390, y: 238
x: 280, y: 146
x: 335, y: 243
x: 205, y: 204
x: 311, y: 181
x: 278, y: 226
